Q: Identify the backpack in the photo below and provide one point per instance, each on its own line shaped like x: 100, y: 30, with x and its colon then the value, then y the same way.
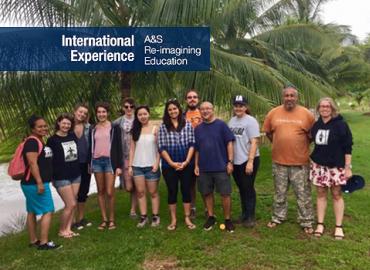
x: 17, y: 166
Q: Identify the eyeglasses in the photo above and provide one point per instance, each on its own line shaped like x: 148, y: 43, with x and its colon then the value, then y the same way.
x: 129, y: 106
x: 192, y: 97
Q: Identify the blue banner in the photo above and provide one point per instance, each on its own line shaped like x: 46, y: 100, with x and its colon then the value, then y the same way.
x: 105, y: 49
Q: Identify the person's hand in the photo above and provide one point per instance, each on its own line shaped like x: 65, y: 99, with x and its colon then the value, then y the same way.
x: 40, y: 188
x: 347, y: 173
x: 130, y: 171
x: 229, y: 168
x: 176, y: 165
x: 183, y: 165
x: 89, y: 170
x: 196, y: 170
x: 249, y: 167
x: 155, y: 168
x: 118, y: 172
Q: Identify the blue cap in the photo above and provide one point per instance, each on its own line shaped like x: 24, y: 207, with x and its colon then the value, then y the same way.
x: 354, y: 183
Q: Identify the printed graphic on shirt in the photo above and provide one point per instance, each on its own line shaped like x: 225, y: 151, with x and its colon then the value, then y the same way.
x: 70, y: 151
x: 322, y: 137
x: 48, y: 152
x: 238, y: 131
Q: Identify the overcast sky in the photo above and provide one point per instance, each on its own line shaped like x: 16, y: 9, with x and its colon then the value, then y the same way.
x: 355, y: 13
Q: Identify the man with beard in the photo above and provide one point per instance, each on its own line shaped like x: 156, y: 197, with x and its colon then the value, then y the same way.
x: 287, y: 127
x: 192, y: 115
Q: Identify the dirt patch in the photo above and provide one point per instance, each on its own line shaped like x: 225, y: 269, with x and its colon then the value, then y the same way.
x: 155, y: 263
x: 366, y: 114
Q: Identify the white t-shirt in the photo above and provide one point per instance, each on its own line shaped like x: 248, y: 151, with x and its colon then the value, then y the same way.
x: 244, y: 129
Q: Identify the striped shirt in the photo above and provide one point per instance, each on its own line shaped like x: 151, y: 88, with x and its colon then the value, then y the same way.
x: 175, y: 143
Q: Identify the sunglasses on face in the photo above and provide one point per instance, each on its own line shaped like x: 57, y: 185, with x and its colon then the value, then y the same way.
x: 192, y: 97
x: 129, y: 106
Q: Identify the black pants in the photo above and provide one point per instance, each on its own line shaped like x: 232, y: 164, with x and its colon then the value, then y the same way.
x: 245, y: 184
x: 172, y: 179
x: 85, y: 183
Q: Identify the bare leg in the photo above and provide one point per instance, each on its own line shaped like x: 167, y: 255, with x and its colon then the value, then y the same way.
x: 172, y: 208
x: 321, y: 209
x: 187, y: 208
x: 226, y: 204
x: 31, y: 226
x: 141, y: 193
x: 152, y: 187
x: 45, y: 225
x: 338, y: 205
x: 110, y: 190
x: 100, y: 183
x: 69, y: 199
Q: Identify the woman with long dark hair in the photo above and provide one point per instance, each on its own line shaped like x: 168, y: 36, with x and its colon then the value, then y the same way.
x: 144, y: 164
x: 176, y: 145
x: 106, y: 164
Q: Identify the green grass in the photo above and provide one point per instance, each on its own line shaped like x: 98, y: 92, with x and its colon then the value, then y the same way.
x: 285, y: 247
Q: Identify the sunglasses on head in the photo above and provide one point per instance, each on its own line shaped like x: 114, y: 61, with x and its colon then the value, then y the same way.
x: 171, y: 99
x: 129, y: 106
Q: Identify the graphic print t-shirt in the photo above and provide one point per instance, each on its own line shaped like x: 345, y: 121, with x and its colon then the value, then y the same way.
x: 193, y: 117
x: 65, y: 160
x: 44, y: 161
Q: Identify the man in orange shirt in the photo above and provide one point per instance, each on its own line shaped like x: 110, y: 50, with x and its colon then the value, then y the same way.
x: 192, y: 114
x: 287, y: 127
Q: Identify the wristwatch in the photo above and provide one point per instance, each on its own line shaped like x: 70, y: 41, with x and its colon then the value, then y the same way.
x: 230, y: 161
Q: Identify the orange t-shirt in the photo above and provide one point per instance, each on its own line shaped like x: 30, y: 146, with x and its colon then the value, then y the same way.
x: 289, y: 129
x: 193, y: 117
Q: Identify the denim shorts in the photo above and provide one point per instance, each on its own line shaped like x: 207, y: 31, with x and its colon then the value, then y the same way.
x: 66, y: 182
x: 102, y: 164
x: 147, y: 173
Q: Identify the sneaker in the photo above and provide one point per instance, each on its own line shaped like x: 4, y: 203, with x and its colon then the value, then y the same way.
x: 76, y: 226
x: 85, y: 223
x: 34, y: 244
x: 156, y: 220
x: 211, y: 221
x: 48, y: 246
x: 143, y: 221
x: 229, y: 225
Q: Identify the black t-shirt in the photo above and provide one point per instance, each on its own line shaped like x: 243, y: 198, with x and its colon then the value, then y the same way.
x: 65, y: 156
x: 44, y: 161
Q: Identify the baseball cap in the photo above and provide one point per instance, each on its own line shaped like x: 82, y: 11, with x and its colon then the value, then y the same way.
x: 356, y: 182
x: 239, y: 99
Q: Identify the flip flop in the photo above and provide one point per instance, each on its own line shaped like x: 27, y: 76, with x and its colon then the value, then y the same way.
x: 191, y: 226
x: 171, y: 227
x: 65, y: 235
x: 272, y: 224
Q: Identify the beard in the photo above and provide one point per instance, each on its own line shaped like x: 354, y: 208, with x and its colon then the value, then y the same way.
x: 192, y: 107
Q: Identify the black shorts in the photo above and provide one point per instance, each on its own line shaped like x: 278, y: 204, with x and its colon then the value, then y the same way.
x: 207, y: 181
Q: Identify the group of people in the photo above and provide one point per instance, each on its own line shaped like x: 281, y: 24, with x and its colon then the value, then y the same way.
x: 188, y: 148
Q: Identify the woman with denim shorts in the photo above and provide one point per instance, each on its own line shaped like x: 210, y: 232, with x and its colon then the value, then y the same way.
x: 106, y: 163
x: 144, y: 164
x: 35, y: 184
x: 66, y: 170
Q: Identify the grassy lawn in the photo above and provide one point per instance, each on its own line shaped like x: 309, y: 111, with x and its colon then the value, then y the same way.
x: 285, y: 247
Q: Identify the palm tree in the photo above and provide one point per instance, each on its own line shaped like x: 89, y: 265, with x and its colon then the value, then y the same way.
x: 244, y: 58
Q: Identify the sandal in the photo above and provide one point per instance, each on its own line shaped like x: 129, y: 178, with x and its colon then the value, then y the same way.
x: 339, y: 236
x: 189, y: 224
x: 272, y: 224
x: 318, y: 233
x: 308, y: 230
x: 111, y: 225
x: 171, y: 227
x: 65, y: 235
x: 103, y: 225
x: 74, y: 234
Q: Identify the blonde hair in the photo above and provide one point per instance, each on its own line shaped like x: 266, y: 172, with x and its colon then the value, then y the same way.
x: 334, y: 108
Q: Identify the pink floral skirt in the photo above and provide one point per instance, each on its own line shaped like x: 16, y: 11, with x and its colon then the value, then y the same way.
x: 324, y: 176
